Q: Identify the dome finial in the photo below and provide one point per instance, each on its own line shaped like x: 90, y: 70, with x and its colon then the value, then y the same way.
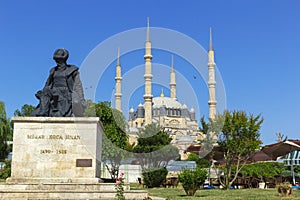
x: 162, y: 92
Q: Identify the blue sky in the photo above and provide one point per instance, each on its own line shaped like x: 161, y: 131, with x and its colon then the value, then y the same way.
x: 256, y: 46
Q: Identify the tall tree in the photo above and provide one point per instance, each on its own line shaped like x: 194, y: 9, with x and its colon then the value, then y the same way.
x: 153, y: 148
x: 26, y: 110
x: 204, y: 128
x: 115, y: 139
x: 209, y: 140
x: 238, y: 137
x: 5, y: 132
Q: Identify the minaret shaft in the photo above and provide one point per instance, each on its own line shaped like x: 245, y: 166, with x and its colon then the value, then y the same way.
x: 118, y: 87
x: 148, y: 79
x: 211, y: 80
x: 173, y: 81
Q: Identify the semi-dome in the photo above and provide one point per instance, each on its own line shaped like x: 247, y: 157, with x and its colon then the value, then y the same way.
x: 165, y: 101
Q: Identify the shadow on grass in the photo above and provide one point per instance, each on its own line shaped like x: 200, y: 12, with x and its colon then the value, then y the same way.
x: 196, y: 195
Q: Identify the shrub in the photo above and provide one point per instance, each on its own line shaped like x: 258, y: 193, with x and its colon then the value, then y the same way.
x: 192, y: 180
x: 5, y: 172
x: 285, y: 189
x: 154, y: 177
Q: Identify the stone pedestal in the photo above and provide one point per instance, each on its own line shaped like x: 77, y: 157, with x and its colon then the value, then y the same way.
x: 58, y: 158
x: 56, y: 150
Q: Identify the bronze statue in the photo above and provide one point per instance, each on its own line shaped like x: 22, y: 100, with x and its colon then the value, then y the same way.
x: 62, y: 95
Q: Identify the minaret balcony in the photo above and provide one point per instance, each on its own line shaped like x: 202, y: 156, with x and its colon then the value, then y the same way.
x: 118, y: 78
x: 118, y: 94
x: 210, y: 82
x: 148, y: 96
x: 148, y: 56
x: 212, y: 102
x: 148, y: 76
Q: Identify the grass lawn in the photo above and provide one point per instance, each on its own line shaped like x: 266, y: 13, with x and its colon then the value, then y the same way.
x: 178, y: 193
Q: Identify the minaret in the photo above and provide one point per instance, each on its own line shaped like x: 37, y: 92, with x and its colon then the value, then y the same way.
x: 173, y: 81
x: 211, y: 80
x: 148, y: 78
x: 118, y: 79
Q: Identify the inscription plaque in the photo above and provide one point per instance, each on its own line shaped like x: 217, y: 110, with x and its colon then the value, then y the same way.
x: 83, y: 162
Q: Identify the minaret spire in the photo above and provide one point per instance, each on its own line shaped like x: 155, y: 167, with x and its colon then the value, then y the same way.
x: 148, y: 30
x: 118, y: 61
x: 173, y: 81
x: 172, y: 63
x: 148, y: 78
x: 118, y: 79
x: 210, y: 40
x: 211, y: 80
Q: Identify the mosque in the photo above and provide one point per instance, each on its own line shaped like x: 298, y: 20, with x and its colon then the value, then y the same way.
x: 176, y: 118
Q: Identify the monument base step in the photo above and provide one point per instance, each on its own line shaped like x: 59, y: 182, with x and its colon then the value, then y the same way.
x: 54, y: 180
x: 66, y: 191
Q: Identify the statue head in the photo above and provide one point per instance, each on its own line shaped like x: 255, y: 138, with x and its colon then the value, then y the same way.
x: 61, y: 55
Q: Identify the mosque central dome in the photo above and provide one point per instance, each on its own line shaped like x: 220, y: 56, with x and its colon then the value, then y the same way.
x: 168, y: 102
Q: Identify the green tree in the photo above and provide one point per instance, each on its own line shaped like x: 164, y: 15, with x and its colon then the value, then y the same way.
x: 238, y: 137
x: 115, y: 139
x: 204, y: 128
x: 297, y: 169
x: 153, y: 149
x: 25, y: 111
x: 262, y: 169
x: 210, y: 138
x: 201, y: 162
x: 5, y: 132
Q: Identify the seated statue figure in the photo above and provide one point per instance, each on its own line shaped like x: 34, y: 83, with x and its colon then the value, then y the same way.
x: 62, y: 95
